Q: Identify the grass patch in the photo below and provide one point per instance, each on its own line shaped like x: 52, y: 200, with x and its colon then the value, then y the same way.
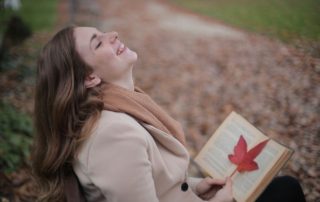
x: 39, y: 15
x: 15, y: 137
x: 285, y: 19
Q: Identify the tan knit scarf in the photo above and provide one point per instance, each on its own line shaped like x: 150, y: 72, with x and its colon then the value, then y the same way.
x: 142, y: 107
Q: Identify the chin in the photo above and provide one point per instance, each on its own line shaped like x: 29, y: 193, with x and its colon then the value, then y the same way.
x: 132, y: 57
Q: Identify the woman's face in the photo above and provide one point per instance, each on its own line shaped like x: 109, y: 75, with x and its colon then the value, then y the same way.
x: 110, y: 59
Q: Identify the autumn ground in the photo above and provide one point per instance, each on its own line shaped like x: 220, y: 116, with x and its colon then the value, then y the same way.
x: 200, y: 70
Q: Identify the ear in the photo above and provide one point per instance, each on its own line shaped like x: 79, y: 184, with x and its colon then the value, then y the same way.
x: 91, y: 81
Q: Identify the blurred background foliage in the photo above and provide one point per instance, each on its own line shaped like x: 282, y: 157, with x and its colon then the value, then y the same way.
x: 15, y: 137
x: 39, y: 15
x: 17, y: 67
x: 23, y: 31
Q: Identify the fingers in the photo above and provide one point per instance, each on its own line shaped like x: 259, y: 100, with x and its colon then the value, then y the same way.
x: 215, y: 181
x: 209, y: 194
x: 228, y: 184
x: 225, y: 194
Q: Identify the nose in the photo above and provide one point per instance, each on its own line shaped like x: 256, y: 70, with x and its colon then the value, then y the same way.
x: 114, y: 36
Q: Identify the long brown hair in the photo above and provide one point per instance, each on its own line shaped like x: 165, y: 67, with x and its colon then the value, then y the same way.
x: 64, y: 112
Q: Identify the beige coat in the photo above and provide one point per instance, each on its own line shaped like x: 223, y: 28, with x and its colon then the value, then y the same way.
x: 125, y: 161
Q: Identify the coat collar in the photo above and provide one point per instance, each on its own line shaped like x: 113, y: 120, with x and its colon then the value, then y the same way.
x: 167, y: 140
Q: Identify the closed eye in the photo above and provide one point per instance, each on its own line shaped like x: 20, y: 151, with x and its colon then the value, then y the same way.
x: 98, y: 44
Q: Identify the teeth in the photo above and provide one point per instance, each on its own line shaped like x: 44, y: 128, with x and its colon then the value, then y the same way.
x: 120, y: 49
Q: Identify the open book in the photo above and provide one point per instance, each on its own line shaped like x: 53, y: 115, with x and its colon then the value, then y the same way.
x: 247, y: 185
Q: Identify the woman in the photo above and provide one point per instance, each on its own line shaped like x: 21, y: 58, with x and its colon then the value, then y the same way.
x: 92, y: 120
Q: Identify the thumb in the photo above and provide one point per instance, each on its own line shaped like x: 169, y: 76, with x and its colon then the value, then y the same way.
x: 229, y: 183
x: 217, y: 181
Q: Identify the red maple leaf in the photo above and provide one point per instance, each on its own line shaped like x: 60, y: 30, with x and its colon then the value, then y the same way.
x: 244, y: 159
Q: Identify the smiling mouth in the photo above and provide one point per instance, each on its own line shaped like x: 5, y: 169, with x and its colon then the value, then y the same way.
x: 121, y: 48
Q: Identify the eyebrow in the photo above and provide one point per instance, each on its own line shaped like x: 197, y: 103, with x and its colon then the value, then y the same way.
x: 92, y: 37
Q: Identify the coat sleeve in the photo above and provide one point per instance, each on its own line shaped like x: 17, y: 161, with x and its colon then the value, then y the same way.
x: 118, y: 162
x: 193, y: 181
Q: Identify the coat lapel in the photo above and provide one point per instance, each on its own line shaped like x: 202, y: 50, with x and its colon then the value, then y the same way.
x: 167, y: 141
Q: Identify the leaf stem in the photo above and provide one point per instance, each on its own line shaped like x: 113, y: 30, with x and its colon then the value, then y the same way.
x: 235, y: 170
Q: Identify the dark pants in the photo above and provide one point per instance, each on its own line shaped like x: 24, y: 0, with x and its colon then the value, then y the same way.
x: 282, y: 188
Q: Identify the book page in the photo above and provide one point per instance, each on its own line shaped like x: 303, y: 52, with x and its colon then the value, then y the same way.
x: 288, y: 152
x: 213, y: 157
x: 244, y: 183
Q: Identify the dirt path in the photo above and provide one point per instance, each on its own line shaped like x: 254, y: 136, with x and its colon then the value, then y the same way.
x: 200, y: 70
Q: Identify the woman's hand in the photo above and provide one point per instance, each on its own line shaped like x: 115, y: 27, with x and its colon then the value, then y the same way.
x: 216, y: 189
